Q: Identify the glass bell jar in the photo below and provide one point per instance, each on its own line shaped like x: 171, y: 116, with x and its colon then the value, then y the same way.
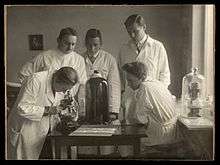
x: 193, y: 93
x: 96, y: 99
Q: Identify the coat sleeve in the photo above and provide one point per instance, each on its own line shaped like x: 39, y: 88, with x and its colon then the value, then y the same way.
x: 114, y: 87
x: 164, y: 70
x: 25, y: 71
x: 27, y: 106
x: 82, y: 72
x: 121, y: 73
x: 143, y: 108
x: 35, y: 65
x: 78, y: 91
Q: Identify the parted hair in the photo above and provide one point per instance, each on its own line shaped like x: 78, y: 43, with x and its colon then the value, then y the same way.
x: 135, y: 18
x: 93, y: 33
x: 67, y: 31
x: 138, y: 69
x: 67, y: 75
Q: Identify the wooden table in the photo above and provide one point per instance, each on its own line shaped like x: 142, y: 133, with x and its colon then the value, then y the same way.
x: 124, y: 135
x: 198, y: 133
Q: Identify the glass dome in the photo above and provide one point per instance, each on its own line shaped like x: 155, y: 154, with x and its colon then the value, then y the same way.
x: 96, y: 104
x: 193, y: 93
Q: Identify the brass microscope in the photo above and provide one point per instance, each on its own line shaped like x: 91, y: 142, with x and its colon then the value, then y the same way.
x: 68, y: 114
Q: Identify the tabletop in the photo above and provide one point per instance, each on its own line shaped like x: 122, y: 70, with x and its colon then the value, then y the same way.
x: 116, y: 135
x: 125, y: 130
x: 199, y: 123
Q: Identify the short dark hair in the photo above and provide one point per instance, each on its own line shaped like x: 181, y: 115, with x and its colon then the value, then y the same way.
x: 67, y: 75
x: 67, y: 31
x: 138, y: 69
x: 135, y: 18
x: 93, y: 33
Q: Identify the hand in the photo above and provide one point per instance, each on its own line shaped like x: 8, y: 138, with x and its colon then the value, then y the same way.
x: 112, y: 116
x: 115, y: 122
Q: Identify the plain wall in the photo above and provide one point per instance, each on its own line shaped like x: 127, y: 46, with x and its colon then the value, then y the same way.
x: 169, y: 24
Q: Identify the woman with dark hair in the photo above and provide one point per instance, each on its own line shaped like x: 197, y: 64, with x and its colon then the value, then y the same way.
x: 38, y: 99
x: 153, y: 106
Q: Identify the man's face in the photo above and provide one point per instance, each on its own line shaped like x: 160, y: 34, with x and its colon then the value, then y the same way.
x: 133, y: 81
x: 136, y: 32
x: 67, y: 43
x: 93, y: 45
x: 61, y: 87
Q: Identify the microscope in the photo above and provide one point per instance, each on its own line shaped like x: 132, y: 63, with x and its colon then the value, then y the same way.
x: 68, y: 114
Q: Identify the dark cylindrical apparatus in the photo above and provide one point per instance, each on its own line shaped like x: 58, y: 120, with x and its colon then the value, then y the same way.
x: 97, y: 100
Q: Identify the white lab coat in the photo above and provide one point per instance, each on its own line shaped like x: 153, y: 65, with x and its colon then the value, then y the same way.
x: 27, y: 127
x: 106, y: 64
x: 54, y: 60
x: 154, y: 104
x: 154, y: 107
x: 153, y: 55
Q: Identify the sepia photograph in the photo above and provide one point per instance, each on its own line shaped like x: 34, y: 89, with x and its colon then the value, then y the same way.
x: 110, y: 82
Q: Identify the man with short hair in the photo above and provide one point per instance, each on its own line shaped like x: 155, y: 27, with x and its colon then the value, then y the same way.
x: 141, y: 47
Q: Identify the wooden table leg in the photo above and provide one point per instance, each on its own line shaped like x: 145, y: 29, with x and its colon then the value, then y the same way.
x: 98, y: 151
x: 57, y: 150
x: 137, y: 148
x: 63, y: 151
x: 73, y: 152
x: 53, y: 148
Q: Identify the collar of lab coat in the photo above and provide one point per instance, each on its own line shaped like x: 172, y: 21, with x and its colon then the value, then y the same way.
x: 95, y: 55
x: 143, y: 39
x: 149, y: 41
x: 60, y: 54
x: 87, y: 56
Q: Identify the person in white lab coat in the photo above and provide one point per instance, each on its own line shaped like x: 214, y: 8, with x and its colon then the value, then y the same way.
x: 141, y: 47
x: 63, y: 55
x: 30, y: 119
x: 103, y: 62
x: 153, y: 106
